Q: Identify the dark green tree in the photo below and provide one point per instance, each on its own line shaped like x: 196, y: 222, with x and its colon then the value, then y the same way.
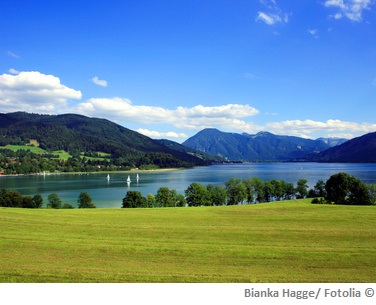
x: 218, y: 194
x: 337, y: 188
x: 27, y: 202
x: 134, y: 199
x: 197, y: 195
x: 54, y: 201
x: 37, y: 201
x: 236, y: 191
x: 302, y: 188
x: 11, y: 198
x: 250, y: 190
x: 150, y: 201
x: 268, y: 191
x: 278, y: 190
x: 67, y: 206
x: 85, y: 201
x: 258, y: 186
x: 372, y: 193
x: 342, y: 188
x: 166, y: 197
x: 180, y: 200
x: 359, y: 194
x: 289, y: 190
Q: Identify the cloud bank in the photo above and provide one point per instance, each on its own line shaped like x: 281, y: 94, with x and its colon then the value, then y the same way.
x: 34, y: 92
x: 37, y: 92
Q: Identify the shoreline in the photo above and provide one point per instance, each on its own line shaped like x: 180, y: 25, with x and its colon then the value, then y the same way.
x: 159, y: 170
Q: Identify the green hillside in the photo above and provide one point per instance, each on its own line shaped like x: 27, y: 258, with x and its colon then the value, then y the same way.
x: 79, y: 135
x: 360, y: 149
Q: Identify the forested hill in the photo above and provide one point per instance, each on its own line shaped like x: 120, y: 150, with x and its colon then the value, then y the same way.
x: 263, y: 146
x: 77, y: 133
x: 361, y: 149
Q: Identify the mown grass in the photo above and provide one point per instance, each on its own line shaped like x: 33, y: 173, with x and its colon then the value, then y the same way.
x: 291, y: 241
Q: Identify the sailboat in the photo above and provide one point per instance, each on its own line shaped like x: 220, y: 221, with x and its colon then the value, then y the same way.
x: 137, y: 177
x: 128, y: 179
x: 108, y: 177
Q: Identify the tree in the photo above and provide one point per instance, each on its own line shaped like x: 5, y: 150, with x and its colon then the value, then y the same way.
x: 302, y: 188
x: 278, y: 190
x: 289, y: 190
x: 258, y: 186
x: 180, y: 200
x: 342, y: 188
x: 359, y: 194
x: 236, y: 191
x: 11, y: 198
x: 37, y: 201
x: 250, y: 190
x: 134, y: 199
x: 85, y: 201
x: 27, y: 202
x: 166, y: 197
x: 268, y: 191
x: 197, y: 195
x: 67, y: 206
x: 54, y: 201
x: 150, y: 201
x: 218, y: 194
x: 320, y: 188
x: 372, y: 193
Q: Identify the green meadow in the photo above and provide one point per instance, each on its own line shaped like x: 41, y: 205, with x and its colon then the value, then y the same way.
x: 290, y: 241
x: 33, y: 149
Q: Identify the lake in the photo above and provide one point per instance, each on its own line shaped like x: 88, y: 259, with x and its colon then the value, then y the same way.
x: 111, y: 193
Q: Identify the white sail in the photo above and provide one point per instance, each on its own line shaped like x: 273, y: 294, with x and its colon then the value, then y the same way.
x: 108, y: 177
x: 137, y: 177
x: 128, y: 179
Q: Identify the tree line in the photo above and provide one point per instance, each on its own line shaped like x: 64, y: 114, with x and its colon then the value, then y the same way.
x: 340, y: 188
x: 14, y: 199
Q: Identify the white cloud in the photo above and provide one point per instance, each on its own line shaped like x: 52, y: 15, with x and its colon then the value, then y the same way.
x: 308, y: 127
x: 269, y: 19
x: 230, y: 117
x: 162, y: 135
x: 193, y: 118
x: 274, y: 14
x: 351, y: 9
x: 99, y: 82
x: 13, y: 71
x: 314, y: 32
x: 34, y: 92
x: 14, y: 55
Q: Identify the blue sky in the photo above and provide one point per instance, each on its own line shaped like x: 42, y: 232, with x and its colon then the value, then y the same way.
x: 170, y: 68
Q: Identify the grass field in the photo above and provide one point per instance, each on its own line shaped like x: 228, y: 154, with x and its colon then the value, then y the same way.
x: 291, y: 241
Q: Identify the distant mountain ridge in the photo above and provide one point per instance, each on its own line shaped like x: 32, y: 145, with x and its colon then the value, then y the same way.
x: 360, y: 149
x: 263, y: 146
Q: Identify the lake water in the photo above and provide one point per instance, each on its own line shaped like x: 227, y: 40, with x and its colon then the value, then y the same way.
x: 110, y: 193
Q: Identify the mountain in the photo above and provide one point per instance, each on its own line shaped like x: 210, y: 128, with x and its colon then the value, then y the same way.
x: 333, y: 141
x: 188, y: 150
x: 263, y: 146
x: 72, y: 132
x: 361, y: 149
